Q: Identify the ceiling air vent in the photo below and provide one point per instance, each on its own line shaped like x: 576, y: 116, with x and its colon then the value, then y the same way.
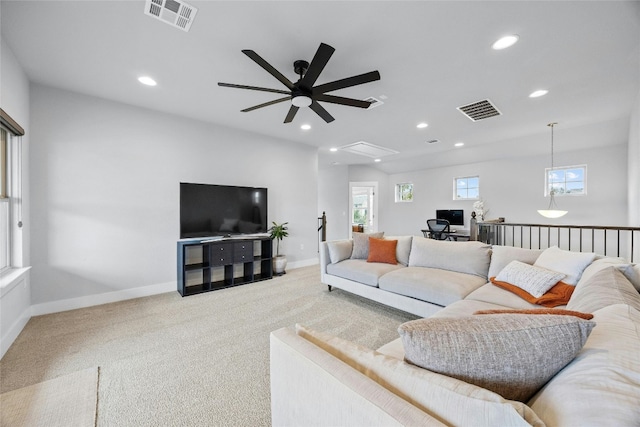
x: 366, y: 149
x: 175, y: 13
x: 479, y: 110
x: 375, y: 102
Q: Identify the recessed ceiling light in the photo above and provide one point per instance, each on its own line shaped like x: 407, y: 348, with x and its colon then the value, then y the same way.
x: 505, y: 42
x: 422, y: 125
x: 538, y: 93
x: 305, y: 127
x: 146, y: 80
x: 333, y: 149
x: 377, y: 160
x: 458, y: 144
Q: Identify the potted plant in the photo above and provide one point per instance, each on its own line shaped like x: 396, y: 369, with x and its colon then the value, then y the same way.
x: 279, y: 232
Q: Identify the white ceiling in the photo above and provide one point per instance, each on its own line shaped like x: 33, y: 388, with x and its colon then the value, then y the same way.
x: 433, y: 56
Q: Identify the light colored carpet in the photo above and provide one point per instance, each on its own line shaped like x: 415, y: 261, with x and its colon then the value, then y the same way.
x: 193, y: 361
x: 66, y: 401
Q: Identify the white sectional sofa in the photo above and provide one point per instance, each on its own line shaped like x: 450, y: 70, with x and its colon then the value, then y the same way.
x: 318, y: 379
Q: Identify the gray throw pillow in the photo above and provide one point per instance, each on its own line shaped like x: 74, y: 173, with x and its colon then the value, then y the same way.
x: 513, y: 355
x: 361, y: 244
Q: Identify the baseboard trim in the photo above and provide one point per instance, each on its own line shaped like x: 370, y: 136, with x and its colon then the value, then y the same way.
x: 12, y: 333
x: 91, y: 300
x: 303, y: 263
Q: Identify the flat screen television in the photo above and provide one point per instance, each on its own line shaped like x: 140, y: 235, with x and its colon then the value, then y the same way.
x: 221, y: 210
x: 454, y: 216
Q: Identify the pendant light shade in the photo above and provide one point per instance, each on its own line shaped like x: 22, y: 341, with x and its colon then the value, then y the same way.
x: 552, y: 211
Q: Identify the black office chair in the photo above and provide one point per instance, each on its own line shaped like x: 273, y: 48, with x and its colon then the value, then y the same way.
x: 439, y: 229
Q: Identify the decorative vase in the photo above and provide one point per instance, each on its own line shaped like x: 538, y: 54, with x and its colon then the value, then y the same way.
x: 279, y: 265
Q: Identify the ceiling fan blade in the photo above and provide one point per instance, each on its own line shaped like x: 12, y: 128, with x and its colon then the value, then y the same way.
x: 342, y: 100
x: 264, y: 64
x: 263, y: 89
x: 291, y: 114
x: 348, y: 82
x: 266, y: 104
x: 319, y: 61
x: 321, y: 112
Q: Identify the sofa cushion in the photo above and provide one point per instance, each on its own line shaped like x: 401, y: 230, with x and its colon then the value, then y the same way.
x: 463, y: 257
x: 382, y: 250
x: 403, y: 249
x: 511, y: 354
x: 339, y: 250
x: 501, y: 256
x: 558, y: 295
x: 441, y: 287
x: 452, y: 401
x: 570, y: 263
x: 534, y: 280
x: 606, y: 287
x: 601, y: 386
x: 361, y: 244
x: 630, y: 271
x: 359, y: 270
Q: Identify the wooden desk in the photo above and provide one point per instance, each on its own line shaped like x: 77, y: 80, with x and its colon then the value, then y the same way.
x: 462, y: 235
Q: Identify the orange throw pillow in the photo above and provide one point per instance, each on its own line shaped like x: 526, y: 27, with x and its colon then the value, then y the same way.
x: 556, y: 311
x: 382, y: 250
x: 559, y: 294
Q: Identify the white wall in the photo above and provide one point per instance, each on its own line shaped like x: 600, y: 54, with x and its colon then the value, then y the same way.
x: 513, y: 188
x: 333, y: 199
x: 105, y: 192
x: 15, y: 293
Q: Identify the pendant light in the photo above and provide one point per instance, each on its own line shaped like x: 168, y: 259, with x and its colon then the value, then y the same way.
x: 552, y: 211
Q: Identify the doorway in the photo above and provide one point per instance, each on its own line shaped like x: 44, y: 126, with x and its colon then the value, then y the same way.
x: 363, y: 207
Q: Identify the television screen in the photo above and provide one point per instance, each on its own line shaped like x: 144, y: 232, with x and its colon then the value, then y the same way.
x: 221, y: 210
x: 454, y: 216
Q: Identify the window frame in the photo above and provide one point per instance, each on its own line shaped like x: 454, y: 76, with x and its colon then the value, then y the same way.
x: 547, y: 171
x: 455, y: 187
x: 6, y: 202
x: 399, y: 193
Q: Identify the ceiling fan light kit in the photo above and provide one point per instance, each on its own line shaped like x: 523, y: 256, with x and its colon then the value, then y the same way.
x: 303, y: 93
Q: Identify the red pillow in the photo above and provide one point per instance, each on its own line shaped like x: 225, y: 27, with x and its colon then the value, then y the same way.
x: 382, y: 250
x: 559, y: 294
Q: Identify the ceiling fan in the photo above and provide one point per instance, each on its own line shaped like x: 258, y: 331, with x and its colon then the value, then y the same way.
x: 303, y: 93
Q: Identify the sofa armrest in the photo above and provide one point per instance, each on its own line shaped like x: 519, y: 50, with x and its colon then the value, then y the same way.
x: 311, y: 387
x: 324, y: 260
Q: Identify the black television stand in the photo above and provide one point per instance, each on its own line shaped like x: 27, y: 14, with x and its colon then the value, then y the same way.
x: 213, y: 263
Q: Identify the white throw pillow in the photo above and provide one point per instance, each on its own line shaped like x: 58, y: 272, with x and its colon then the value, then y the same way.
x: 535, y: 280
x: 570, y: 263
x: 339, y: 250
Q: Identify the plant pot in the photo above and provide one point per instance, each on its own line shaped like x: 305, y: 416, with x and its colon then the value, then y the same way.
x: 279, y: 264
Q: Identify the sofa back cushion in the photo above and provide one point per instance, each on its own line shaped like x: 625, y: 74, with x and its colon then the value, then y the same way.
x: 570, y: 263
x: 463, y: 257
x: 452, y: 401
x: 606, y: 287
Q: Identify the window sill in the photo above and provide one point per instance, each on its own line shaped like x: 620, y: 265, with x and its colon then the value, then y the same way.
x: 10, y: 278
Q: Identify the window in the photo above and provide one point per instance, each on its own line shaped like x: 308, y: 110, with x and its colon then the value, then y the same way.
x: 10, y: 190
x: 466, y: 188
x: 566, y: 181
x: 5, y: 203
x: 404, y: 192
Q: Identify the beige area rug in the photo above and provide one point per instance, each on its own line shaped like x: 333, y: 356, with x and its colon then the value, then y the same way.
x: 201, y: 360
x: 66, y: 401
